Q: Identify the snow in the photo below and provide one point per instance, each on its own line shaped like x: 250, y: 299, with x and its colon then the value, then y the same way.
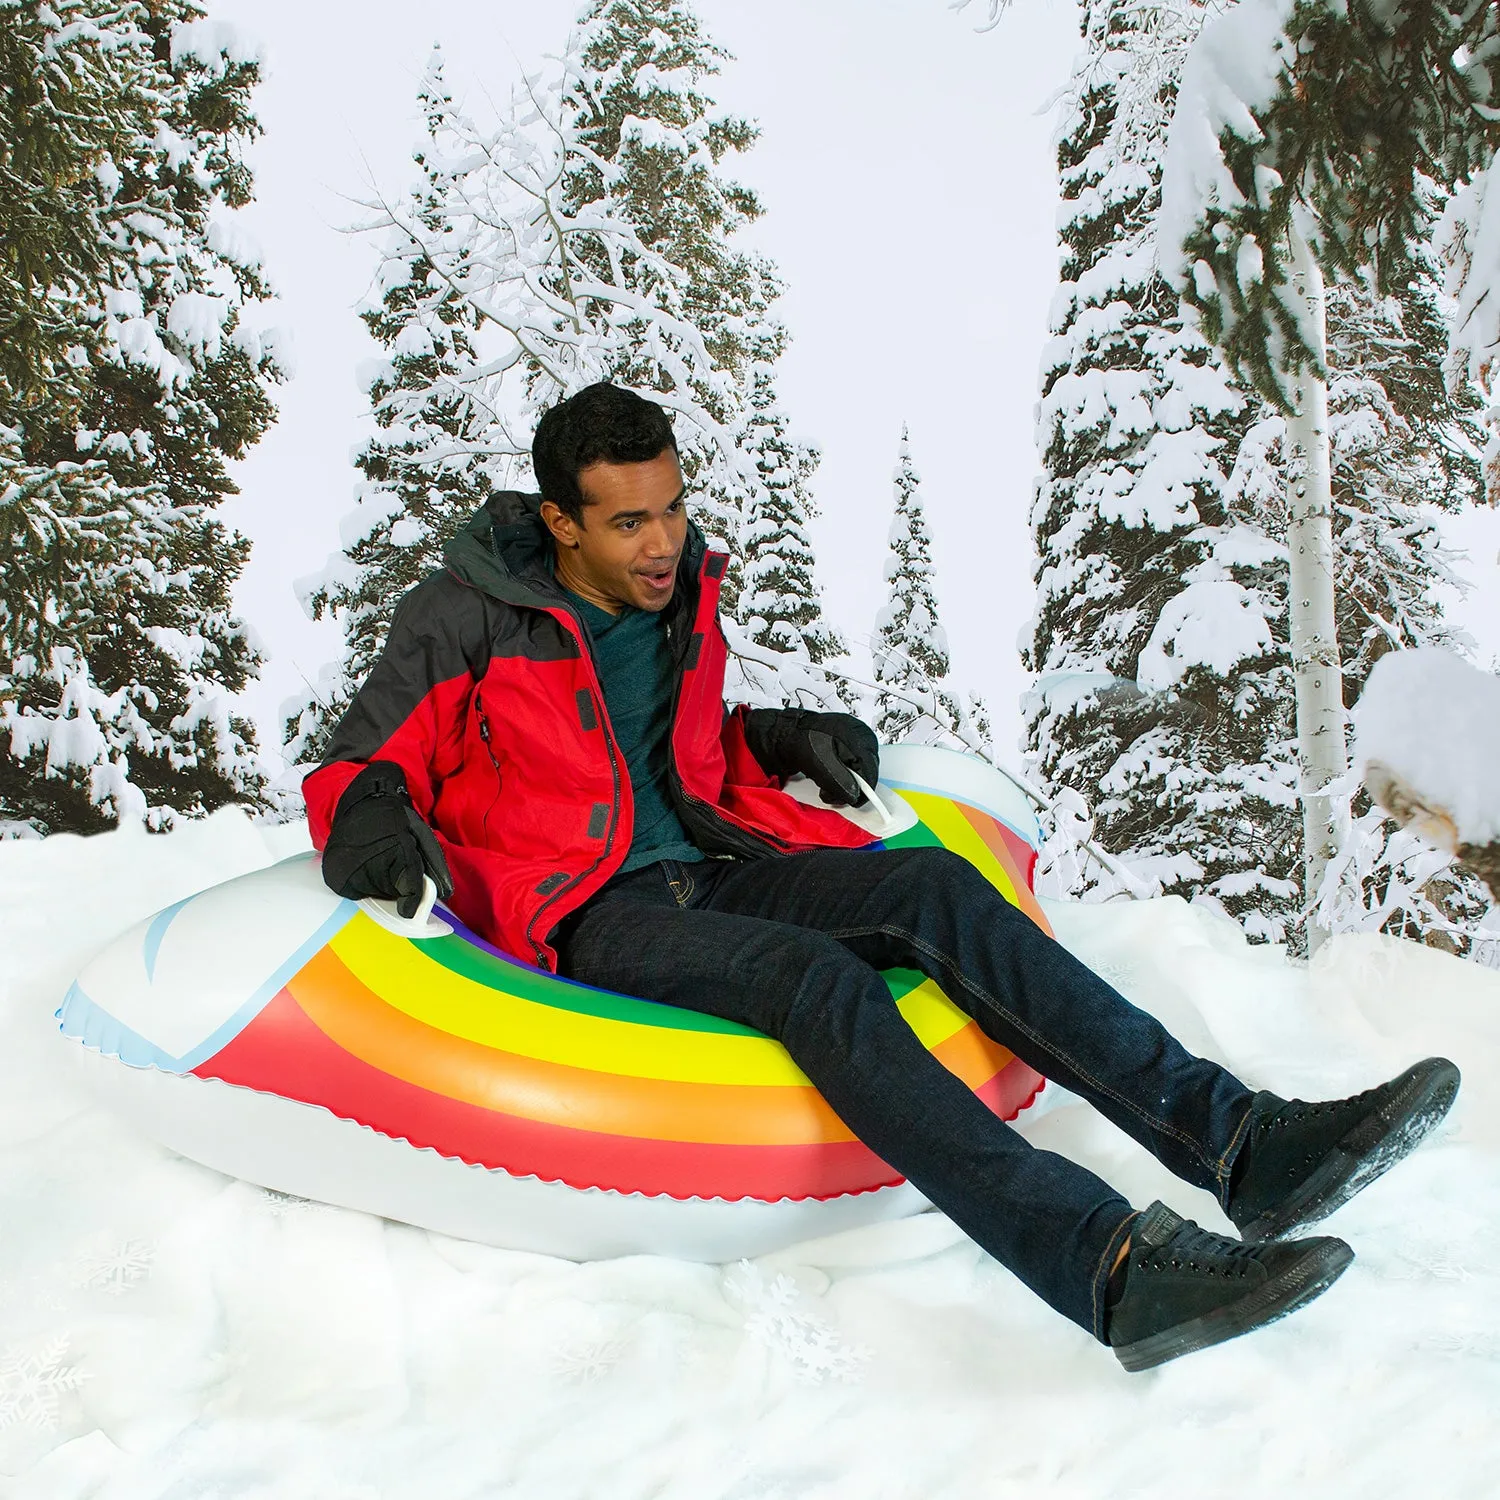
x: 165, y: 1331
x: 213, y: 43
x: 198, y: 320
x: 1434, y: 719
x: 1232, y: 71
x: 1214, y: 623
x: 229, y: 239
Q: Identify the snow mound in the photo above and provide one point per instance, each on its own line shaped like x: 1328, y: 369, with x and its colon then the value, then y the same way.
x: 1433, y: 720
x: 166, y: 1332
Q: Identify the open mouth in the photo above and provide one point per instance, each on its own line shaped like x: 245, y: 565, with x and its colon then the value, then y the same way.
x: 661, y: 580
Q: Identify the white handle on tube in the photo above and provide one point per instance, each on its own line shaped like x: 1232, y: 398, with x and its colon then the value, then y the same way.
x: 422, y: 923
x: 882, y: 817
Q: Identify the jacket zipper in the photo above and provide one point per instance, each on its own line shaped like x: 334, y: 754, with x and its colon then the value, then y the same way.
x: 484, y: 734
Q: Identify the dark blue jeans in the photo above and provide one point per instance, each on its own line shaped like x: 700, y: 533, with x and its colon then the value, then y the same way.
x: 793, y: 946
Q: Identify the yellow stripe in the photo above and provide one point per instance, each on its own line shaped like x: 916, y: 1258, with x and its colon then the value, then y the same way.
x: 960, y: 835
x: 426, y: 991
x: 931, y: 1014
x: 397, y: 971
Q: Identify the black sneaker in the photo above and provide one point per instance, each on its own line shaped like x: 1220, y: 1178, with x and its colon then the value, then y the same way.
x: 1186, y: 1288
x: 1302, y: 1160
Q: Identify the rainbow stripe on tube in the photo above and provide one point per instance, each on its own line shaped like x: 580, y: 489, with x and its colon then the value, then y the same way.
x: 450, y: 1045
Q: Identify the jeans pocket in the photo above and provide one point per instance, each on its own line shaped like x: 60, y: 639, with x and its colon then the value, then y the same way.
x: 679, y: 882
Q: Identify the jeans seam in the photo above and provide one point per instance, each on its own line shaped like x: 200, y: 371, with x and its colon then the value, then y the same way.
x: 1102, y: 1271
x: 1045, y: 1046
x: 1224, y: 1166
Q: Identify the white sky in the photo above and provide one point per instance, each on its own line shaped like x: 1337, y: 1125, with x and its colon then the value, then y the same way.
x: 905, y: 164
x: 906, y: 167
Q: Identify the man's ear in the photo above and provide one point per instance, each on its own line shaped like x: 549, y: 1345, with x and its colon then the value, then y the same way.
x: 563, y: 527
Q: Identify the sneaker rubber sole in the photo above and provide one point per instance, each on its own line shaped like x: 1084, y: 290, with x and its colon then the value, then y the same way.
x: 1425, y: 1093
x: 1307, y: 1277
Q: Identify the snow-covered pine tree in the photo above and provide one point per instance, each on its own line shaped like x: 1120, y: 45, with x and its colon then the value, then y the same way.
x: 1354, y: 111
x: 429, y: 466
x: 1309, y: 140
x: 118, y: 648
x: 910, y: 648
x: 586, y: 236
x: 648, y: 142
x: 1159, y: 638
x: 1404, y: 447
x: 652, y: 142
x: 779, y: 604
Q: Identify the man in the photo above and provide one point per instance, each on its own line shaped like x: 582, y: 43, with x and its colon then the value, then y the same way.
x: 545, y: 736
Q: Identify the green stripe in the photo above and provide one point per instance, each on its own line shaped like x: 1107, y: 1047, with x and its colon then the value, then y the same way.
x: 901, y: 982
x: 454, y: 954
x: 918, y: 836
x: 460, y: 957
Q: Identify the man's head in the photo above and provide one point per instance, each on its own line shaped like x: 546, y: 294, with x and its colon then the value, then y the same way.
x: 606, y: 464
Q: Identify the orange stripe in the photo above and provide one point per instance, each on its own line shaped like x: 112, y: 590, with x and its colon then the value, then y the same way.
x: 971, y: 1056
x: 359, y: 1021
x: 994, y: 839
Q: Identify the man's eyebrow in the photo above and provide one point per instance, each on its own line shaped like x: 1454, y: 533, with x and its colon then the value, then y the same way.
x: 635, y: 515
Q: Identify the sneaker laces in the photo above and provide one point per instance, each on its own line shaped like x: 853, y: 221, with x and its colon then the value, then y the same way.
x: 1296, y: 1110
x: 1163, y: 1241
x: 1293, y: 1111
x: 1334, y: 1115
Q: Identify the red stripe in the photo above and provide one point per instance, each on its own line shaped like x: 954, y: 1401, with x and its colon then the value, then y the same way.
x: 1020, y: 851
x: 1011, y: 1089
x: 1014, y: 855
x: 282, y: 1052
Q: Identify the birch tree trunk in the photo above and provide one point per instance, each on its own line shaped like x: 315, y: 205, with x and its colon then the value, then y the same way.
x: 1321, y: 752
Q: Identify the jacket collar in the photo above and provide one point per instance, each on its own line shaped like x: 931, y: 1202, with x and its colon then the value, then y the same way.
x: 504, y: 549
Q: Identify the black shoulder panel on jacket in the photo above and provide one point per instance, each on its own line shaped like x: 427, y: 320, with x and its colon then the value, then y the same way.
x: 441, y: 629
x: 438, y: 632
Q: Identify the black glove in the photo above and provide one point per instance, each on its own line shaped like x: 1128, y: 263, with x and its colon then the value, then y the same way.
x: 825, y: 747
x: 378, y: 846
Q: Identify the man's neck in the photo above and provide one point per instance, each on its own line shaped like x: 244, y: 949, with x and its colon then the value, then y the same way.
x: 579, y: 588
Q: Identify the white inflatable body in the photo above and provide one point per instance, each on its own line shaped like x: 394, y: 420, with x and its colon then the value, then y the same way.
x: 283, y: 1035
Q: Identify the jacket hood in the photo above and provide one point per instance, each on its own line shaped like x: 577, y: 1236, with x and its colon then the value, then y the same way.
x: 505, y: 549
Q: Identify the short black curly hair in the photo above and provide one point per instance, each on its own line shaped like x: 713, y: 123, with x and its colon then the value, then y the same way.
x: 602, y: 423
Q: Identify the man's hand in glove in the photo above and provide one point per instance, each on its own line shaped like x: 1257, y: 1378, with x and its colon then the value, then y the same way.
x: 825, y: 747
x: 378, y: 846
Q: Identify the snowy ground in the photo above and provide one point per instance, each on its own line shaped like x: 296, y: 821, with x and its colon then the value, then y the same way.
x: 166, y: 1332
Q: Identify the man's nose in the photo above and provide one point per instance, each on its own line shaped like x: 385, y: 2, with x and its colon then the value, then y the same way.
x: 659, y: 540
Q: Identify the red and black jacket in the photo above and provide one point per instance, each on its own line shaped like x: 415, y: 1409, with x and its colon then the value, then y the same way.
x: 487, y: 697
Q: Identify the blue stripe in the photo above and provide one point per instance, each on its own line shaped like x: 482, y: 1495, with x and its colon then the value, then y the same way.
x: 84, y: 1019
x: 263, y: 996
x: 88, y: 1022
x: 158, y: 930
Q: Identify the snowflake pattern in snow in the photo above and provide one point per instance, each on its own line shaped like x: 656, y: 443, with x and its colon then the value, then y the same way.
x: 774, y: 1319
x: 114, y: 1269
x: 32, y: 1380
x: 279, y: 1204
x: 589, y: 1361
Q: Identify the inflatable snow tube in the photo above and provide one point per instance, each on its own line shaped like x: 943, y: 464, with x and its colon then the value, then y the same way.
x: 281, y: 1034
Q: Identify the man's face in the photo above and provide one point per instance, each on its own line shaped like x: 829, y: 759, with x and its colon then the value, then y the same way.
x: 628, y: 545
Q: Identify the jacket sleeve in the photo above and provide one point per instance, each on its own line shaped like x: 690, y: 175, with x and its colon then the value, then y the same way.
x: 412, y: 707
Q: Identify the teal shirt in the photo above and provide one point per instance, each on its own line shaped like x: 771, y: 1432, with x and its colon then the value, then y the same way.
x: 635, y: 670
